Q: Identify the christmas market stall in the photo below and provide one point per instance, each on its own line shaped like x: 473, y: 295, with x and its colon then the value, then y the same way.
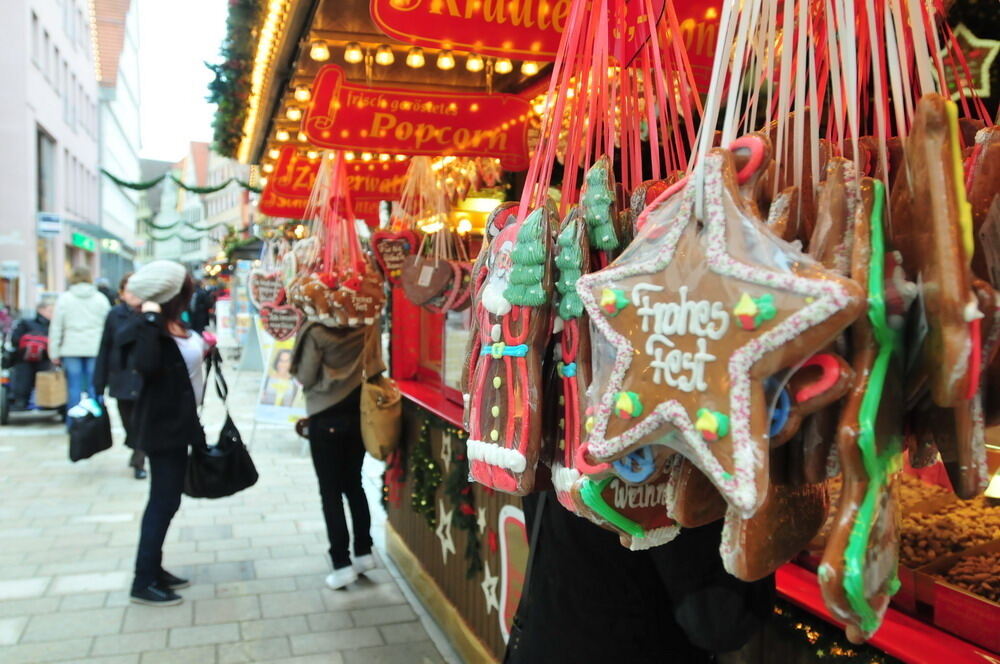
x: 669, y: 264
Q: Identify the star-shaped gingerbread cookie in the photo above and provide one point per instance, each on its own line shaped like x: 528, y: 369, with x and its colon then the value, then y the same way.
x: 691, y: 318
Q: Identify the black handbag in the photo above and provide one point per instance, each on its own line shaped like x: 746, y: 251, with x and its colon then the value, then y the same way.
x: 89, y: 435
x: 216, y: 471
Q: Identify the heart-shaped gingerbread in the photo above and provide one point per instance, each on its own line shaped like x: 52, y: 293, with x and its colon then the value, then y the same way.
x: 281, y: 322
x: 425, y: 278
x: 265, y: 288
x: 391, y: 251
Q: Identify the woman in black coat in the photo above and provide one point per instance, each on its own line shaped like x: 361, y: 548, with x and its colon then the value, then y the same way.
x: 169, y: 357
x: 115, y: 370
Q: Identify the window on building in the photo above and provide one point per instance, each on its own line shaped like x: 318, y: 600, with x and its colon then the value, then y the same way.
x: 46, y: 175
x: 46, y: 53
x: 56, y: 80
x: 81, y: 30
x: 34, y: 38
x: 73, y: 87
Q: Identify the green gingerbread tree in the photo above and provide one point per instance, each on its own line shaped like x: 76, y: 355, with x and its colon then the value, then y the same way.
x: 528, y: 258
x: 569, y: 260
x: 598, y: 206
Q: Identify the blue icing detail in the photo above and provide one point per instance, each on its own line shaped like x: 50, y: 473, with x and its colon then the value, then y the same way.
x: 508, y: 351
x: 782, y: 408
x: 569, y: 370
x: 638, y: 466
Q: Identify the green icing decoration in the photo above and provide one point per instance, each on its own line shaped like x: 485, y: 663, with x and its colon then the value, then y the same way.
x: 877, y: 466
x: 597, y: 207
x: 569, y: 261
x: 591, y: 491
x: 528, y: 259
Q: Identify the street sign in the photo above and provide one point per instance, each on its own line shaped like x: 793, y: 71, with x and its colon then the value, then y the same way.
x: 84, y: 242
x: 48, y: 224
x: 10, y: 269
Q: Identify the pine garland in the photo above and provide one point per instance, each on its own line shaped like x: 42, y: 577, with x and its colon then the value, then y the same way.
x: 230, y: 91
x: 459, y: 491
x: 149, y: 184
x: 426, y: 476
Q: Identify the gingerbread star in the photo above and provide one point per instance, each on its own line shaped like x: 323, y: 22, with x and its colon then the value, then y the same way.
x: 705, y: 316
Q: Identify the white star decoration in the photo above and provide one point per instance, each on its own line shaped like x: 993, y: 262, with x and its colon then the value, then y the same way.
x: 481, y: 521
x: 446, y: 451
x: 489, y: 586
x: 443, y: 531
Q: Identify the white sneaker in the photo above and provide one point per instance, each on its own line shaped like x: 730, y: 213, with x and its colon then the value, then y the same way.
x: 363, y: 564
x: 341, y: 577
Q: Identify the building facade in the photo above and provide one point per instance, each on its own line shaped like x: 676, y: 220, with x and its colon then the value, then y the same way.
x: 49, y: 187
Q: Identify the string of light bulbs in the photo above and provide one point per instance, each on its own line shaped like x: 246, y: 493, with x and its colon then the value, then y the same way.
x: 384, y: 55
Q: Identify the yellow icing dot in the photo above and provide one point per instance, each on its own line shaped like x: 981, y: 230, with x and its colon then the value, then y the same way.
x: 562, y: 401
x: 497, y: 382
x: 589, y: 424
x: 494, y: 435
x: 495, y: 410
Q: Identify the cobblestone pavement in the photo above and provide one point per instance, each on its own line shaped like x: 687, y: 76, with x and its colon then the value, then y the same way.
x: 257, y: 561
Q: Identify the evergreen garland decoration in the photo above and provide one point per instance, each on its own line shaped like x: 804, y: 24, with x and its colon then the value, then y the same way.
x: 230, y: 91
x: 149, y: 184
x: 426, y: 476
x: 459, y: 492
x: 393, y: 477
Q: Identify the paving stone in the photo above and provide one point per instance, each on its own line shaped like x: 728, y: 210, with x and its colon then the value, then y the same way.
x: 200, y: 635
x: 83, y: 601
x: 134, y: 642
x: 21, y: 607
x: 223, y: 544
x: 22, y: 588
x: 217, y: 572
x: 85, y: 583
x: 73, y: 624
x: 291, y: 566
x: 329, y: 621
x: 11, y: 628
x: 360, y: 597
x: 198, y: 655
x: 252, y: 630
x: 410, y: 653
x: 324, y: 658
x: 132, y: 658
x: 139, y: 618
x: 295, y: 603
x: 254, y: 587
x: 383, y: 615
x: 344, y: 639
x: 406, y: 632
x: 35, y: 653
x: 264, y: 650
x: 229, y: 609
x: 197, y: 533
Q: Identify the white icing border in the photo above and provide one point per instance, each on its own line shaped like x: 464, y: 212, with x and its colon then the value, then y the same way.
x: 495, y: 455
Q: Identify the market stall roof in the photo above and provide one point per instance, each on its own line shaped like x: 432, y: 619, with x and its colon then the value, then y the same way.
x: 287, y: 33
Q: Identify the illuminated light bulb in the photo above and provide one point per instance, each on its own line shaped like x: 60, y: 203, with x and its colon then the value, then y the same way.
x: 293, y: 113
x: 445, y: 60
x: 319, y: 51
x: 400, y: 157
x: 353, y: 53
x: 281, y: 135
x: 464, y: 226
x: 473, y: 107
x: 366, y: 156
x: 384, y: 157
x: 349, y: 156
x: 503, y: 66
x: 274, y: 153
x: 529, y: 68
x: 302, y: 93
x: 384, y: 55
x: 312, y: 155
x: 302, y: 138
x: 415, y: 57
x: 267, y: 168
x: 711, y: 13
x: 474, y: 62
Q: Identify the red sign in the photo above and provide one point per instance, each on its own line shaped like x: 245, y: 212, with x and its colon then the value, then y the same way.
x: 287, y: 191
x: 349, y: 116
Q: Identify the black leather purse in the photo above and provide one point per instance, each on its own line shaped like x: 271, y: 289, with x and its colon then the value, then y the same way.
x: 216, y: 471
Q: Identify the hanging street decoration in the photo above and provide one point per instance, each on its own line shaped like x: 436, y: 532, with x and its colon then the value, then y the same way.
x: 194, y: 189
x: 348, y: 116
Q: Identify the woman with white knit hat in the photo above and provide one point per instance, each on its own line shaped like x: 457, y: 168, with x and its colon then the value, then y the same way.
x: 170, y: 358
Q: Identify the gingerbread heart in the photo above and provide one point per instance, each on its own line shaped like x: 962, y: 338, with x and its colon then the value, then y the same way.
x: 265, y: 288
x: 391, y: 248
x: 425, y: 278
x: 637, y: 513
x: 281, y: 322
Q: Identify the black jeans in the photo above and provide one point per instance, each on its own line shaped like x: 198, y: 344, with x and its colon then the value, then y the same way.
x: 125, y: 409
x: 166, y: 482
x: 337, y: 454
x: 23, y: 380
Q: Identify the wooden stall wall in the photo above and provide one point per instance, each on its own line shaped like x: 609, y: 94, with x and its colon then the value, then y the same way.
x: 449, y: 571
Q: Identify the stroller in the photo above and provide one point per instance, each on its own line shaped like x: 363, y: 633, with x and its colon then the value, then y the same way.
x: 9, y: 360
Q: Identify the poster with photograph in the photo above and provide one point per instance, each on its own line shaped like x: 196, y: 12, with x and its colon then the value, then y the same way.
x: 280, y: 400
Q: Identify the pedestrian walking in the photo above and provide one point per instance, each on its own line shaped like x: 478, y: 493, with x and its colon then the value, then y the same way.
x: 75, y: 332
x: 30, y: 340
x: 165, y: 422
x: 104, y: 286
x: 115, y: 370
x: 328, y: 362
x: 201, y: 306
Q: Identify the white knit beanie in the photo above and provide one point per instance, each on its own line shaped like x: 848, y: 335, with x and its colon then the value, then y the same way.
x: 158, y: 281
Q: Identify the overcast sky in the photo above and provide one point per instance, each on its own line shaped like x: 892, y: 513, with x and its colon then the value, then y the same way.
x: 175, y: 38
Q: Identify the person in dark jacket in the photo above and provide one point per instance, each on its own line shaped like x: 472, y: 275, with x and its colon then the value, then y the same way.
x: 115, y: 371
x: 201, y: 308
x: 30, y: 339
x: 165, y: 421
